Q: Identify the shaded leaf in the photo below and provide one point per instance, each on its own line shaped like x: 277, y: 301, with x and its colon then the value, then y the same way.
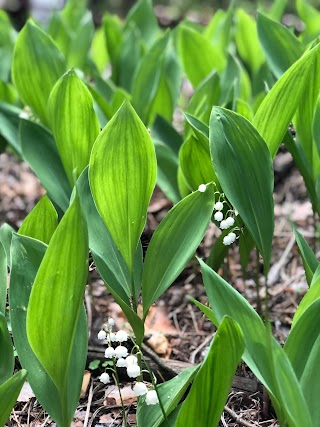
x: 175, y: 389
x: 9, y: 392
x: 3, y: 279
x: 243, y: 166
x: 174, y: 242
x: 211, y: 386
x: 6, y: 351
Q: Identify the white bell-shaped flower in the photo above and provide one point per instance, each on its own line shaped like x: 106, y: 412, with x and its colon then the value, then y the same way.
x: 102, y: 335
x: 133, y: 371
x: 140, y: 389
x: 120, y: 351
x: 218, y: 216
x: 109, y: 353
x: 104, y: 378
x: 152, y: 397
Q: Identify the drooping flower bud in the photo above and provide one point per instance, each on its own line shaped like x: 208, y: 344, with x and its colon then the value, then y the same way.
x: 140, y: 389
x: 202, y: 188
x: 218, y: 206
x: 152, y: 398
x: 104, y: 378
x: 218, y: 216
x: 102, y: 335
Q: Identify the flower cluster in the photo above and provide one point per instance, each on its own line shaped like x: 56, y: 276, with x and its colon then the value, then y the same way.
x: 227, y: 222
x: 122, y: 359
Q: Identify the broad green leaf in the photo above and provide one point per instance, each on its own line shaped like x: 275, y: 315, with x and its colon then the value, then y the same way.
x: 302, y: 338
x: 309, y: 259
x: 27, y: 254
x: 247, y: 42
x: 184, y: 188
x: 167, y: 171
x: 37, y: 65
x: 281, y: 47
x: 122, y: 175
x: 311, y: 18
x: 198, y: 55
x: 219, y: 29
x: 41, y: 222
x: 246, y: 245
x: 108, y: 259
x: 165, y: 132
x: 130, y: 56
x: 195, y: 162
x: 9, y: 125
x: 312, y: 295
x: 303, y: 349
x: 98, y: 50
x: 8, y: 93
x: 168, y: 91
x: 290, y: 395
x: 39, y: 151
x: 243, y: 165
x: 74, y: 123
x: 278, y: 107
x: 197, y: 125
x: 59, y: 284
x: 170, y: 392
x: 174, y: 242
x: 211, y: 386
x: 6, y: 351
x: 143, y: 17
x: 299, y: 157
x: 206, y: 95
x: 226, y: 301
x: 5, y: 239
x: 276, y: 10
x: 114, y: 36
x: 9, y: 392
x: 7, y: 40
x: 244, y: 109
x: 147, y: 79
x: 3, y: 279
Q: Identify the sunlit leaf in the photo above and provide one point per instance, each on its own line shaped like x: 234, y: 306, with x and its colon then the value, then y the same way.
x: 9, y: 392
x: 74, y: 123
x: 59, y: 284
x: 37, y: 65
x: 41, y: 222
x: 122, y: 175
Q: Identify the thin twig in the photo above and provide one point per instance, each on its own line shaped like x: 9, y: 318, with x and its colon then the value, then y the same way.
x: 238, y: 418
x: 203, y: 344
x: 90, y: 396
x: 274, y: 272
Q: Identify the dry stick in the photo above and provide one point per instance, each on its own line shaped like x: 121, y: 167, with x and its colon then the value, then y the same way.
x: 274, y: 271
x: 238, y: 418
x: 90, y: 396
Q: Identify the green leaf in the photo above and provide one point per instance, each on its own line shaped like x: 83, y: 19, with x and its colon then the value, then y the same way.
x: 41, y: 222
x: 143, y: 17
x: 39, y: 151
x: 305, y: 335
x: 174, y: 243
x: 9, y: 392
x: 243, y: 166
x: 9, y: 125
x: 278, y: 107
x: 7, y: 40
x: 289, y: 392
x: 108, y: 259
x: 198, y: 55
x: 165, y: 132
x: 122, y: 175
x: 247, y: 42
x: 195, y: 162
x: 310, y: 297
x: 219, y: 29
x: 37, y: 65
x: 114, y: 36
x: 6, y: 351
x: 3, y: 279
x: 5, y: 238
x: 310, y: 262
x: 263, y: 355
x: 74, y: 123
x: 167, y: 171
x: 147, y: 79
x: 27, y: 254
x: 170, y: 393
x: 281, y: 47
x: 59, y: 284
x: 218, y: 252
x: 211, y: 386
x: 206, y: 95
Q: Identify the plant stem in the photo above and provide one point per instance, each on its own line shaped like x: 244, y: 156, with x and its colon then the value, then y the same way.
x: 116, y: 380
x: 156, y: 389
